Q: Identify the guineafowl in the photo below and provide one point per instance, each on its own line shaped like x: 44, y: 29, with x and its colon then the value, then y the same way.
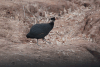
x: 39, y: 31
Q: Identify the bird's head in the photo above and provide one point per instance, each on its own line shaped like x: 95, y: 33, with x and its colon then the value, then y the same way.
x: 53, y: 18
x: 52, y: 21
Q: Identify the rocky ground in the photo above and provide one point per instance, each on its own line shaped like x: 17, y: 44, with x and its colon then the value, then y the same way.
x: 75, y: 38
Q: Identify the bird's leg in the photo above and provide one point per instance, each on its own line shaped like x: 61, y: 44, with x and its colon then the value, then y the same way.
x: 46, y: 41
x: 37, y: 43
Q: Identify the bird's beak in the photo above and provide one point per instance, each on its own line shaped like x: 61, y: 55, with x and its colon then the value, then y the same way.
x: 56, y: 18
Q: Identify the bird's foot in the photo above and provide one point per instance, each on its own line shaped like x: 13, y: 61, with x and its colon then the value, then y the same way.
x: 47, y: 41
x: 38, y: 44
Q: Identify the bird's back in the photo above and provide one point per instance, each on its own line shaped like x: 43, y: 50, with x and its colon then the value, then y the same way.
x: 39, y: 30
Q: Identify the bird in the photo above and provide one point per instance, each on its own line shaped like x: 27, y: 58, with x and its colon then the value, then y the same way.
x: 39, y: 31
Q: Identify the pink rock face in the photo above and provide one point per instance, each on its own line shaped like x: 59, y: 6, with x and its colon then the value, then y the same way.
x: 91, y: 25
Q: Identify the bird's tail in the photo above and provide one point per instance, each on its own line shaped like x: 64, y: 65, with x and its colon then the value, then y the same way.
x: 27, y: 36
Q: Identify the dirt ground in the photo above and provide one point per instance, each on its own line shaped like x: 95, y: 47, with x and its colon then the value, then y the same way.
x: 31, y: 55
x: 74, y: 38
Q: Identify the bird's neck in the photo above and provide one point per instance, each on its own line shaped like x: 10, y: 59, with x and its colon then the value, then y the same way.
x: 51, y: 23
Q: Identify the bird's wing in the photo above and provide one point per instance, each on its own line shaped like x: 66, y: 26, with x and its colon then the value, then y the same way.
x: 36, y: 31
x: 41, y: 34
x: 39, y: 29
